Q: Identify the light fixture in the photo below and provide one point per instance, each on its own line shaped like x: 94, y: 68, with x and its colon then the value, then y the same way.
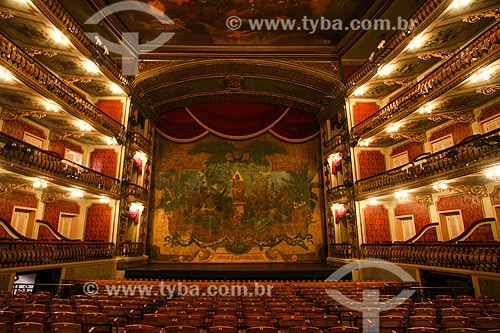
x: 76, y: 194
x: 104, y: 200
x: 385, y: 70
x: 426, y: 109
x: 51, y: 107
x: 116, y: 89
x: 39, y: 184
x: 339, y: 210
x: 90, y: 67
x: 5, y: 75
x: 360, y: 91
x: 440, y: 187
x: 416, y: 42
x: 85, y: 127
x: 111, y: 141
x: 365, y: 142
x: 372, y: 202
x: 402, y: 195
x: 59, y: 37
x: 481, y: 76
x: 460, y: 3
x: 493, y: 173
x: 393, y: 128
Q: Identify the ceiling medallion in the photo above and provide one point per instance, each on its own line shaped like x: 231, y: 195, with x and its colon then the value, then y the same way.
x: 439, y: 54
x: 404, y: 83
x: 488, y: 90
x: 234, y: 83
x: 48, y: 197
x: 6, y: 15
x: 413, y: 137
x: 494, y: 13
x: 461, y: 117
x: 14, y: 114
x: 8, y: 187
x: 64, y: 135
x: 34, y: 52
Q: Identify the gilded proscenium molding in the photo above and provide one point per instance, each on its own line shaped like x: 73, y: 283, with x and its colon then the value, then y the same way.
x: 488, y: 90
x: 413, y: 137
x: 4, y: 15
x: 32, y: 51
x: 48, y: 197
x: 7, y: 113
x: 494, y: 13
x: 57, y: 135
x: 339, y: 194
x: 437, y: 54
x: 8, y: 187
x: 460, y: 117
x: 58, y: 15
x: 460, y: 160
x: 454, y: 71
x: 313, y: 85
x: 426, y: 14
x: 404, y: 83
x: 30, y: 72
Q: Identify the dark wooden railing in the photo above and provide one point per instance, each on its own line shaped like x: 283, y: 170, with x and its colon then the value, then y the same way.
x: 24, y: 158
x: 340, y: 250
x: 339, y: 193
x: 465, y: 158
x: 141, y: 143
x: 470, y: 256
x: 131, y: 249
x: 20, y: 253
x: 136, y: 192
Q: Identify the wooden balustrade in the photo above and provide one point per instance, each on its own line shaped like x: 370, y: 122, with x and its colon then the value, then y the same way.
x: 334, y: 145
x: 135, y: 192
x: 470, y: 256
x: 25, y: 158
x: 140, y: 142
x: 131, y: 249
x: 339, y: 193
x: 465, y: 158
x: 44, y: 82
x: 19, y: 253
x: 481, y: 51
x: 340, y: 250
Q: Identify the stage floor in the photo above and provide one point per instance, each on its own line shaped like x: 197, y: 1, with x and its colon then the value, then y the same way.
x: 288, y: 271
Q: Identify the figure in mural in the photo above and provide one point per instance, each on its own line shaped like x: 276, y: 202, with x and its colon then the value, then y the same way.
x: 239, y: 188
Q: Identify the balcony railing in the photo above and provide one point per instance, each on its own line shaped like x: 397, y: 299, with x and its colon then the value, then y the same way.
x: 339, y: 193
x: 131, y: 249
x: 24, y: 158
x: 136, y: 192
x: 469, y: 256
x: 340, y: 250
x: 459, y: 160
x: 18, y: 253
x: 140, y: 142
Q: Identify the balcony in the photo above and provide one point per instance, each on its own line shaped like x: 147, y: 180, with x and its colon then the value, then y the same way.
x: 469, y: 256
x: 131, y: 249
x: 135, y: 192
x: 466, y: 158
x: 141, y: 143
x: 339, y: 194
x: 340, y: 250
x: 29, y: 160
x: 20, y: 253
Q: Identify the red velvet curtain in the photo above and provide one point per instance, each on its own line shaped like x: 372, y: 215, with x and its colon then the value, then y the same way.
x: 238, y: 121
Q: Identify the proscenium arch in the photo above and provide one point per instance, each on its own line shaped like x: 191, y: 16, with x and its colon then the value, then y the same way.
x: 180, y: 84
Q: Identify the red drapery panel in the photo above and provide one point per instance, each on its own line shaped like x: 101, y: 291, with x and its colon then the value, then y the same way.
x: 238, y: 121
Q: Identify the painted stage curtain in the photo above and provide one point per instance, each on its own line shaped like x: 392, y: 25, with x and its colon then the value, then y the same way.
x: 238, y: 121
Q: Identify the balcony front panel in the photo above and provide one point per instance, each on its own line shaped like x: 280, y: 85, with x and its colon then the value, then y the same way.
x: 19, y: 157
x: 339, y: 194
x: 141, y: 143
x: 135, y: 192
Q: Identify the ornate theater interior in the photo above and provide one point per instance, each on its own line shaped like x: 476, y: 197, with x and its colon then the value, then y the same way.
x: 247, y: 153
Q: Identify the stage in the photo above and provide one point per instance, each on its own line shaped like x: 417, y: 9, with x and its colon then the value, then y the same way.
x: 245, y: 271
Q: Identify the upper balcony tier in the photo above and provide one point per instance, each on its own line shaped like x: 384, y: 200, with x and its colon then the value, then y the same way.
x: 29, y: 160
x: 469, y: 157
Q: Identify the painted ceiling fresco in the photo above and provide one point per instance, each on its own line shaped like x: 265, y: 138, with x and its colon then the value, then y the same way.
x: 204, y: 22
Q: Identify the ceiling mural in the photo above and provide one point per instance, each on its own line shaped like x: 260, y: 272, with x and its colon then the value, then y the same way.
x: 204, y: 22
